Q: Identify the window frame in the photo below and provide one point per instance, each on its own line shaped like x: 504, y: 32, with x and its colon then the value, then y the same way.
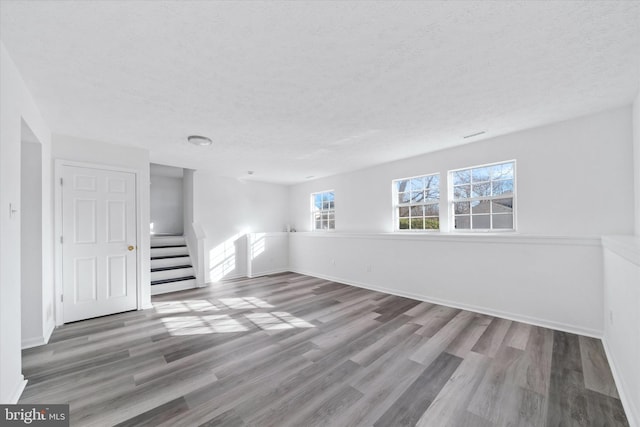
x: 314, y: 210
x: 397, y: 205
x: 452, y: 200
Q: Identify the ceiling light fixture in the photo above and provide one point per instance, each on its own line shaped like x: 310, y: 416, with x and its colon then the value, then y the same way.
x: 202, y: 141
x: 475, y: 134
x: 249, y: 172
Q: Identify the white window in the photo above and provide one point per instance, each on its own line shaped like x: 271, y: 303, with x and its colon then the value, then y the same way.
x: 323, y: 210
x: 417, y: 203
x: 484, y: 197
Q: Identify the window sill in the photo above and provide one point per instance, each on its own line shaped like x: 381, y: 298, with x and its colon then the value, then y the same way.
x: 484, y: 237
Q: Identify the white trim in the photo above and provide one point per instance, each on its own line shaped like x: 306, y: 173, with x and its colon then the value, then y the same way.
x: 424, y: 203
x: 483, y: 238
x: 40, y: 340
x: 313, y: 211
x: 58, y: 291
x: 248, y: 254
x: 477, y: 309
x: 270, y: 272
x: 33, y: 342
x: 452, y: 200
x: 49, y: 331
x: 632, y: 412
x: 15, y: 396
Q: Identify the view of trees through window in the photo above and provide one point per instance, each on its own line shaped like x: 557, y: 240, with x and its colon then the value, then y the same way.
x: 483, y: 197
x: 417, y: 203
x: 480, y: 198
x: 323, y: 210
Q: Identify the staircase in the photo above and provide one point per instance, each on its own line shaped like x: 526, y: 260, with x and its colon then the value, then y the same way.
x: 171, y: 267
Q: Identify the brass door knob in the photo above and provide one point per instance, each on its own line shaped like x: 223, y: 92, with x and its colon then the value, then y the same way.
x: 131, y: 248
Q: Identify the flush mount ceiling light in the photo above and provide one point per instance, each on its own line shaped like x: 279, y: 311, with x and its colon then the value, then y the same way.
x: 202, y: 141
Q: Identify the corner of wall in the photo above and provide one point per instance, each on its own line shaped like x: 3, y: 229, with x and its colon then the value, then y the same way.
x: 632, y: 411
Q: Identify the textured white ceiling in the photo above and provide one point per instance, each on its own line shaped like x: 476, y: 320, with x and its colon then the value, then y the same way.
x: 292, y: 89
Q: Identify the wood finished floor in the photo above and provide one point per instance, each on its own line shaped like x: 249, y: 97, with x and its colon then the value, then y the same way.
x: 292, y: 350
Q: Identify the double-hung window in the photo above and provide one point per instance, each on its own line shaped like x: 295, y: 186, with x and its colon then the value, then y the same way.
x: 417, y: 203
x: 323, y: 208
x: 483, y: 197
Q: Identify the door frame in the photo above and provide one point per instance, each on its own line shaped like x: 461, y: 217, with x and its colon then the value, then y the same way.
x: 59, y: 286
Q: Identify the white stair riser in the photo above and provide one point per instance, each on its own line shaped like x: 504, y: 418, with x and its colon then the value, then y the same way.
x: 172, y: 274
x: 166, y: 241
x: 182, y: 250
x: 173, y: 287
x: 170, y: 262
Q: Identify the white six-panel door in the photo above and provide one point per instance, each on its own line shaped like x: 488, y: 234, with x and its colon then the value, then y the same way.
x: 98, y: 242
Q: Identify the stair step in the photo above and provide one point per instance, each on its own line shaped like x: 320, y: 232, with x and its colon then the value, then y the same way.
x: 174, y: 273
x: 169, y: 251
x: 170, y: 262
x: 169, y: 256
x: 178, y: 279
x: 180, y: 285
x: 167, y: 240
x: 173, y: 267
x: 168, y: 246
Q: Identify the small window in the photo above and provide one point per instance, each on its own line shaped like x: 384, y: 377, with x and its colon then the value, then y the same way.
x: 323, y: 211
x: 483, y: 197
x: 417, y: 203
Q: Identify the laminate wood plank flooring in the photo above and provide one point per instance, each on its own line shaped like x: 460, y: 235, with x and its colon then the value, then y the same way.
x: 294, y: 350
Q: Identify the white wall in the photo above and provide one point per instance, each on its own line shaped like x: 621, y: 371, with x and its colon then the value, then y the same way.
x: 31, y: 244
x: 622, y: 318
x: 102, y: 153
x: 574, y: 184
x: 228, y: 209
x: 167, y: 201
x: 17, y: 104
x: 268, y: 253
x: 622, y: 298
x: 552, y: 282
x: 574, y: 178
x: 636, y: 160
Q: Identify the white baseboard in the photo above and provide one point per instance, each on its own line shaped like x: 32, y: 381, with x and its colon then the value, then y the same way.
x: 48, y: 331
x: 632, y: 412
x: 574, y: 329
x: 269, y: 272
x: 15, y: 396
x: 39, y: 340
x: 32, y: 342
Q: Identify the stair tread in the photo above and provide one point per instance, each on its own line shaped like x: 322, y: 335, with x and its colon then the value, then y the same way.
x: 173, y: 267
x: 177, y: 279
x: 168, y: 246
x: 170, y: 256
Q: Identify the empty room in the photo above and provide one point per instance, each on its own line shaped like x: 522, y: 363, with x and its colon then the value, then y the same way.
x: 319, y: 213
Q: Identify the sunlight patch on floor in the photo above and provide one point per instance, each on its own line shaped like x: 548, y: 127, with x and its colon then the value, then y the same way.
x: 198, y: 325
x: 184, y: 306
x: 277, y: 321
x: 245, y: 303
